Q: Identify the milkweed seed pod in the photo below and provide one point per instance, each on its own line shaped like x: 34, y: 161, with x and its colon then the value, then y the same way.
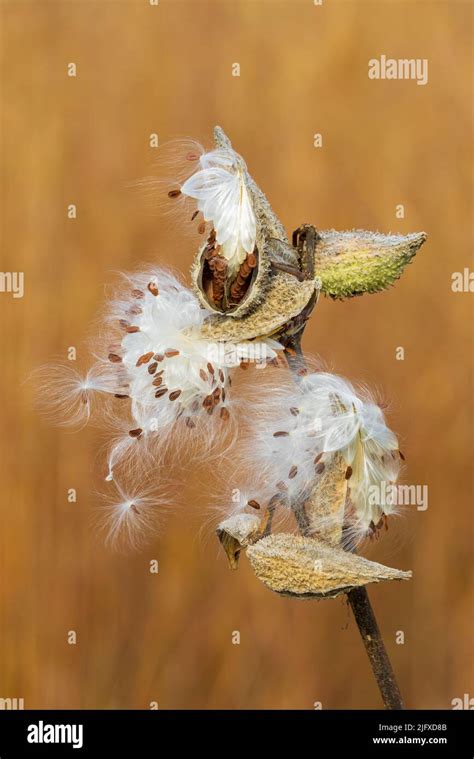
x: 357, y: 262
x: 305, y: 568
x: 238, y: 532
x: 233, y: 273
x: 246, y: 272
x: 324, y: 452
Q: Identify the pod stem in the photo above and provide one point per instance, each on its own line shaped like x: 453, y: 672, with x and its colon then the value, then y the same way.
x: 372, y: 639
x: 358, y: 597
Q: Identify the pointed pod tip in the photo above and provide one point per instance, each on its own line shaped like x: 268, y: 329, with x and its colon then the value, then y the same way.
x: 220, y: 138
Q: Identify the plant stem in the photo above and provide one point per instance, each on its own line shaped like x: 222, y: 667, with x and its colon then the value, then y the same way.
x: 372, y: 639
x: 358, y: 597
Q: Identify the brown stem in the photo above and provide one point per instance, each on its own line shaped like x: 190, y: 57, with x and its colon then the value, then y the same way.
x: 374, y: 645
x: 358, y: 597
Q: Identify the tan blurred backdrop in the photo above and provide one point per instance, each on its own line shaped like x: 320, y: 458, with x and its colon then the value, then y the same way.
x: 167, y: 69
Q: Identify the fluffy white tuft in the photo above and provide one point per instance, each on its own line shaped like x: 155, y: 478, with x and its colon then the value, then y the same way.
x: 297, y: 429
x: 165, y: 391
x: 130, y: 518
x: 220, y: 188
x: 65, y: 396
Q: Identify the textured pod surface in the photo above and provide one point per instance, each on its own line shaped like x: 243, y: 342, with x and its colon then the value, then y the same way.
x: 357, y: 262
x: 326, y: 505
x: 238, y: 532
x: 285, y: 298
x: 306, y: 568
x: 231, y: 278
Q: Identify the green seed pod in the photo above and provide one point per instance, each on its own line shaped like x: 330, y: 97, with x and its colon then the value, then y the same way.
x: 357, y: 262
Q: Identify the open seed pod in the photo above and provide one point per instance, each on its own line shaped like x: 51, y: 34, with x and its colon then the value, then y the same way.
x: 285, y: 298
x: 238, y: 532
x: 307, y: 568
x: 231, y: 271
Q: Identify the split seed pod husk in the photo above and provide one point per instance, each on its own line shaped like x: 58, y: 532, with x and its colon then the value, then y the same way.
x: 272, y: 297
x: 237, y: 532
x: 324, y: 510
x: 306, y: 568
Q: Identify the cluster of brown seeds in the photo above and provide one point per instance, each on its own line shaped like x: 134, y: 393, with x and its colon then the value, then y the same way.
x: 219, y: 290
x: 240, y: 285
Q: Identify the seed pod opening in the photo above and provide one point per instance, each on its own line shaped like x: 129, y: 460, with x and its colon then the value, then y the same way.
x: 236, y: 533
x: 229, y: 289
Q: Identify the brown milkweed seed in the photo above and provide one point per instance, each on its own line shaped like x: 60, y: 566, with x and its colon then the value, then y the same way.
x: 224, y: 413
x: 132, y: 329
x: 161, y: 391
x: 203, y: 375
x: 281, y: 434
x: 253, y: 504
x: 153, y: 288
x: 348, y: 473
x: 174, y: 193
x: 135, y: 433
x: 171, y: 352
x: 320, y: 468
x: 114, y: 358
x: 144, y: 359
x: 138, y: 293
x: 175, y: 394
x: 157, y: 381
x: 118, y: 395
x: 152, y: 367
x: 293, y: 472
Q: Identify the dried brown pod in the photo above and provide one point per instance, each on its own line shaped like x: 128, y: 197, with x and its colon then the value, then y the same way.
x: 236, y: 290
x: 238, y: 532
x: 305, y: 568
x: 325, y: 506
x: 285, y: 298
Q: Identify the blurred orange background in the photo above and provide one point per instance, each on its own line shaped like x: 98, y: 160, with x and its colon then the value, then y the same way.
x: 167, y: 69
